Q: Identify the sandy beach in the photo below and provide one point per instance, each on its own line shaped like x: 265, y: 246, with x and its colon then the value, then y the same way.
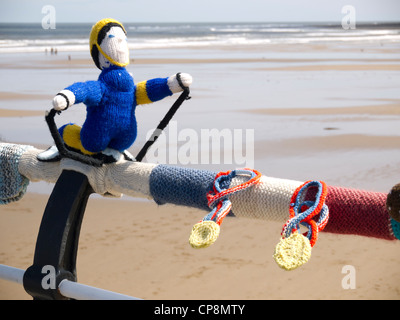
x: 314, y: 116
x: 141, y: 249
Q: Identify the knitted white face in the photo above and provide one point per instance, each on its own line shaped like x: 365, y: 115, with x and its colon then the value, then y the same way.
x: 115, y: 45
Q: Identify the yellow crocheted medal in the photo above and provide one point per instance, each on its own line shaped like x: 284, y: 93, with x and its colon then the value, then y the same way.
x: 292, y: 252
x: 204, y: 234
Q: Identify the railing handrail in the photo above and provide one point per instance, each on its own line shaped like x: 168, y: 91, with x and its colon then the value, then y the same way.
x: 68, y: 289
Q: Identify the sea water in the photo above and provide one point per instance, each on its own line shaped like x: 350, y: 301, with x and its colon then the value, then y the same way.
x: 31, y: 37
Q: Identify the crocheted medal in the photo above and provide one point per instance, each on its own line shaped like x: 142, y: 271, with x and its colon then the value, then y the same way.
x: 294, y: 249
x: 206, y: 232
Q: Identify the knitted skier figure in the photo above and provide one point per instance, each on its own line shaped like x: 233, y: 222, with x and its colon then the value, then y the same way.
x: 110, y: 127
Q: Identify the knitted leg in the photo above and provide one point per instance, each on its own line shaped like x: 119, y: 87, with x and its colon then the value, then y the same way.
x: 71, y: 136
x: 95, y: 137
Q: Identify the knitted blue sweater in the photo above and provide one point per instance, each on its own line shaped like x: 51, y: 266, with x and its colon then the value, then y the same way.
x: 111, y: 102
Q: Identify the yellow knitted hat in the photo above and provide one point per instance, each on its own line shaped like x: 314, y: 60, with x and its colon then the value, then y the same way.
x: 94, y: 41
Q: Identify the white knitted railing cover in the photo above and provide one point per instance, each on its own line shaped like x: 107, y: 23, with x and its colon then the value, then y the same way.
x: 269, y: 199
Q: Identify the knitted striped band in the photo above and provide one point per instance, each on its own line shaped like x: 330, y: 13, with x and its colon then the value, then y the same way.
x: 66, y: 99
x: 206, y: 231
x: 178, y: 78
x: 351, y: 211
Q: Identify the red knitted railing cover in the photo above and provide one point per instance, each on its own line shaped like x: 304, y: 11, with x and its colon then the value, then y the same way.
x: 358, y: 212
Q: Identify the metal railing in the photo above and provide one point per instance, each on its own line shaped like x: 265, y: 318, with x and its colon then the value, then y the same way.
x: 57, y: 246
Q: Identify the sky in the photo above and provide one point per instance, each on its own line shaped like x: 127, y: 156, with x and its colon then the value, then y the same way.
x: 200, y: 10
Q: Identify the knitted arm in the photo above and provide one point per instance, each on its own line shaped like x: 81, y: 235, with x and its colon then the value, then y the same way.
x: 90, y: 92
x: 152, y: 90
x: 159, y: 88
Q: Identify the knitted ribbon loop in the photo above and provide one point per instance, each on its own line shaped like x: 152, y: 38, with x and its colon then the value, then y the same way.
x: 294, y: 249
x: 207, y: 230
x: 302, y: 212
x: 221, y: 188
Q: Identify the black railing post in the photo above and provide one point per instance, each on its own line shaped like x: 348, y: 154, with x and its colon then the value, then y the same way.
x: 58, y: 238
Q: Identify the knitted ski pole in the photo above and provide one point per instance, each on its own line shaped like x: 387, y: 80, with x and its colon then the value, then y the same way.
x: 61, y: 146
